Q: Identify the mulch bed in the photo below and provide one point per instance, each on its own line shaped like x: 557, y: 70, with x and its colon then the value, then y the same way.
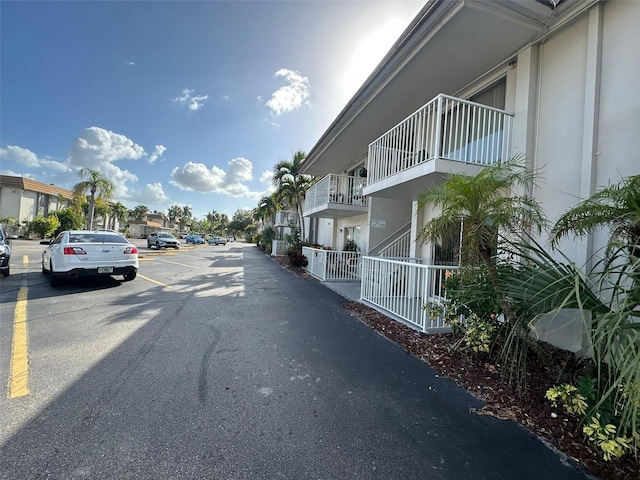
x: 480, y: 374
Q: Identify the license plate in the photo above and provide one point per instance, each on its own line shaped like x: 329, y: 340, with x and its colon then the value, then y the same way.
x: 105, y: 269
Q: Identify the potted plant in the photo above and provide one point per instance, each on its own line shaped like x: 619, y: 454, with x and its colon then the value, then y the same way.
x: 362, y: 172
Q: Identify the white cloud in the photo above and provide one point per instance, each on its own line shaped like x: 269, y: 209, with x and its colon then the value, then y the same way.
x: 131, y: 63
x: 11, y: 173
x: 99, y: 149
x: 194, y: 102
x: 29, y: 159
x: 266, y: 176
x: 198, y: 177
x: 96, y: 147
x: 289, y: 97
x: 151, y: 194
x: 157, y: 153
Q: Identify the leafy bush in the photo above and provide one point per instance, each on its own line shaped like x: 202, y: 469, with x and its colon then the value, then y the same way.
x: 43, y: 226
x: 351, y: 246
x: 69, y: 219
x: 298, y: 260
x: 268, y: 234
x: 292, y: 239
x: 606, y: 438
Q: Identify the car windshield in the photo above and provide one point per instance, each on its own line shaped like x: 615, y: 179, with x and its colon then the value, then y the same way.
x: 165, y: 235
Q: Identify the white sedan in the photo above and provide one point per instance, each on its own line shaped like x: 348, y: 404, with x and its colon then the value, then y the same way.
x: 76, y: 253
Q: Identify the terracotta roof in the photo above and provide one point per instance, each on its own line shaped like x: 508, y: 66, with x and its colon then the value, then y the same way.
x: 28, y: 184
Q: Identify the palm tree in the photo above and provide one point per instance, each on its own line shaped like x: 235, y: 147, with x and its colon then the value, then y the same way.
x: 140, y: 212
x: 175, y: 212
x: 616, y: 206
x: 485, y: 206
x: 291, y: 184
x: 267, y: 209
x: 118, y: 212
x: 97, y: 185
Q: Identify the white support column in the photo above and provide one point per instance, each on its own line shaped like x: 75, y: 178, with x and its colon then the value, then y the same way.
x: 590, y: 126
x: 417, y: 222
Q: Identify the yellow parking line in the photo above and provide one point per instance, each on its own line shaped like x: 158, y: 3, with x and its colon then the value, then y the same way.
x: 25, y: 259
x: 153, y: 281
x: 19, y: 370
x: 176, y: 263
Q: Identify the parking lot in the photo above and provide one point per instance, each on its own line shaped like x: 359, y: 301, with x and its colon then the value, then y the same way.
x: 215, y: 362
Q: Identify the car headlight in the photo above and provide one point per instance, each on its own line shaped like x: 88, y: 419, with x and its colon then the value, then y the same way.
x: 5, y: 250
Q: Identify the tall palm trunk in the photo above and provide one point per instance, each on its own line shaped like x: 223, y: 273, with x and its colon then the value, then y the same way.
x: 92, y: 208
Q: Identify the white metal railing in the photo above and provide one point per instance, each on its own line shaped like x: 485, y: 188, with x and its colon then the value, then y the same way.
x: 285, y: 217
x: 279, y: 247
x: 403, y: 288
x: 400, y: 247
x: 446, y: 127
x: 340, y: 189
x: 332, y: 265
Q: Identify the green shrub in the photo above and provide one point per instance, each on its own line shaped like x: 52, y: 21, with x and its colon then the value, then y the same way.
x: 297, y: 260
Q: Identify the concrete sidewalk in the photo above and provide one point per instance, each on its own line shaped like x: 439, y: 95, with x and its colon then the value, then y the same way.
x: 349, y: 290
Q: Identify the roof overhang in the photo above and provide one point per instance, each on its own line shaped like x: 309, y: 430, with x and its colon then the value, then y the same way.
x: 447, y: 46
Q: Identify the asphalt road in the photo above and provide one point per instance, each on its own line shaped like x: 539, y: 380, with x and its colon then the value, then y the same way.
x: 216, y: 363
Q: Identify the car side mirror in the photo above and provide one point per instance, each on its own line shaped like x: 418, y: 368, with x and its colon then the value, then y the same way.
x: 45, y: 242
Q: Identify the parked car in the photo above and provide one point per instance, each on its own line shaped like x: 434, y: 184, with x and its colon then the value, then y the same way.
x: 162, y: 240
x: 77, y: 253
x: 5, y: 252
x: 195, y: 239
x: 217, y: 241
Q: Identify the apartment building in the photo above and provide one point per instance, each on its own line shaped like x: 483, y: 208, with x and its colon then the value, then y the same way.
x: 468, y: 84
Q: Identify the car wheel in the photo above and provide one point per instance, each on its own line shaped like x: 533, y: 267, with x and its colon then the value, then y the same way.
x: 129, y: 276
x: 148, y: 245
x: 54, y: 280
x: 5, y: 273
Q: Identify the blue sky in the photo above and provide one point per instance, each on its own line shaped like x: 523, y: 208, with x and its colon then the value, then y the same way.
x: 189, y: 102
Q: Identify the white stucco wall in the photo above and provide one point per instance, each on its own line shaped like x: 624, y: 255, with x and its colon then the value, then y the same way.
x: 560, y: 118
x: 27, y: 205
x: 588, y: 112
x: 10, y: 202
x: 325, y: 232
x: 388, y: 216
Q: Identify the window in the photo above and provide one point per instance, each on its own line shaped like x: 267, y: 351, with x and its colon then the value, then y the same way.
x: 446, y: 251
x: 42, y: 204
x: 476, y: 135
x: 352, y: 233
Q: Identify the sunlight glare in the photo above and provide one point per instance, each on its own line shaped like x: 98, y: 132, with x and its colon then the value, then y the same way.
x: 368, y: 53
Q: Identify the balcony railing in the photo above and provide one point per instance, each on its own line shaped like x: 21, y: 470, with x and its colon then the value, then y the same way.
x: 337, y: 189
x: 331, y: 265
x: 402, y: 287
x: 285, y: 218
x: 448, y: 128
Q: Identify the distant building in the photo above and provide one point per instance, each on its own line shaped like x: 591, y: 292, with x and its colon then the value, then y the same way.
x: 24, y: 199
x: 153, y: 222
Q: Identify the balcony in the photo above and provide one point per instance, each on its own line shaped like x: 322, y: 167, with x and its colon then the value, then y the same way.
x: 447, y: 135
x: 285, y: 218
x: 336, y: 196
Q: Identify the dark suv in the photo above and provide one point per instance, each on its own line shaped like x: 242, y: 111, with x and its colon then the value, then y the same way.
x: 5, y: 252
x: 162, y: 240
